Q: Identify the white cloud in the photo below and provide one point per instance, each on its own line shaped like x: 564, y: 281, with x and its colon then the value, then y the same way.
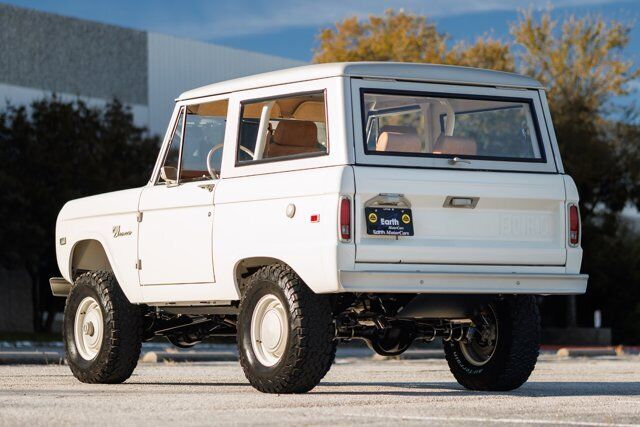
x: 225, y: 19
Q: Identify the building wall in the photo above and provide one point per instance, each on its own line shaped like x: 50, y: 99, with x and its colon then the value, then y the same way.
x: 43, y: 53
x: 18, y: 95
x: 177, y: 65
x: 72, y: 56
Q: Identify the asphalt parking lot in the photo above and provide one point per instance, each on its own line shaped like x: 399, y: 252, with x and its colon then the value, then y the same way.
x: 594, y: 391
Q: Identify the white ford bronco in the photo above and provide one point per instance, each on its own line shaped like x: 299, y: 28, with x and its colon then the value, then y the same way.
x: 297, y: 209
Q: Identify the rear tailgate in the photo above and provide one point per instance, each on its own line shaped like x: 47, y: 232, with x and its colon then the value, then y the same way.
x: 513, y: 219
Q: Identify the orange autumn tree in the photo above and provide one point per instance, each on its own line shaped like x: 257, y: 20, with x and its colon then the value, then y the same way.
x: 405, y: 37
x: 582, y: 63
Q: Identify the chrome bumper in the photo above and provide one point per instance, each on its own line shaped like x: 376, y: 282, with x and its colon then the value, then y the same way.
x: 59, y: 287
x: 463, y: 283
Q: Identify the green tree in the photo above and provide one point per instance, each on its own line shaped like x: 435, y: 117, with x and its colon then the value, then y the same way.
x: 52, y: 152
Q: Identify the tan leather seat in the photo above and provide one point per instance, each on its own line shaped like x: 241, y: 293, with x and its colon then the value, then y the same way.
x: 293, y: 137
x: 398, y: 139
x: 455, y: 145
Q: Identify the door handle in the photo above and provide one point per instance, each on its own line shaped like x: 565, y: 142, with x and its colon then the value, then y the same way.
x: 208, y: 187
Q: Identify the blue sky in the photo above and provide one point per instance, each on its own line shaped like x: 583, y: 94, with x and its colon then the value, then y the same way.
x: 288, y: 27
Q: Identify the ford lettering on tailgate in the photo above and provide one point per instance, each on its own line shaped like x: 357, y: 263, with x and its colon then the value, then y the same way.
x: 389, y: 221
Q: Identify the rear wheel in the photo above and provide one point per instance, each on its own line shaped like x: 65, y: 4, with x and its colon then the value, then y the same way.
x: 285, y: 332
x: 501, y: 349
x: 102, y: 330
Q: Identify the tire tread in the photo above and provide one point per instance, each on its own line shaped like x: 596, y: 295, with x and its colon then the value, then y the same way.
x: 123, y: 322
x: 520, y: 352
x: 311, y: 349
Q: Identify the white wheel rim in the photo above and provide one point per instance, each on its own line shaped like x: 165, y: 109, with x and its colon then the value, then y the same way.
x: 88, y: 328
x: 269, y: 330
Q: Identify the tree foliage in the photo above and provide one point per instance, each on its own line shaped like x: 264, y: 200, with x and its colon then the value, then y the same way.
x: 52, y: 152
x: 405, y: 37
x: 581, y: 62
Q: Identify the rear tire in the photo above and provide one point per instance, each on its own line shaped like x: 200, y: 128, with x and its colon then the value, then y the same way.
x: 285, y: 332
x: 102, y: 330
x: 508, y: 364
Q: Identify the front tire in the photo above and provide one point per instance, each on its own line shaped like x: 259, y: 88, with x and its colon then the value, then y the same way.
x: 102, y: 330
x: 501, y: 355
x: 285, y: 332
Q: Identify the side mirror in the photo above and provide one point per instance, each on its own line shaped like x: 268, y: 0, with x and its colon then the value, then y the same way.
x: 169, y: 175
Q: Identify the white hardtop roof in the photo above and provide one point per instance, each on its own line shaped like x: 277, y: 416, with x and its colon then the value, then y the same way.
x: 384, y: 70
x: 432, y: 73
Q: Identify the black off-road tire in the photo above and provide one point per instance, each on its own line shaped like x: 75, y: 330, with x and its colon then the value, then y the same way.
x: 310, y: 349
x: 122, y: 337
x: 516, y: 352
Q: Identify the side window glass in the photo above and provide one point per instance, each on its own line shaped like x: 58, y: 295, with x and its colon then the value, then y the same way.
x: 204, y: 139
x: 169, y: 170
x: 283, y: 128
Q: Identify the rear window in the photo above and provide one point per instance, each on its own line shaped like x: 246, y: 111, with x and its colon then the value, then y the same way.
x: 425, y: 125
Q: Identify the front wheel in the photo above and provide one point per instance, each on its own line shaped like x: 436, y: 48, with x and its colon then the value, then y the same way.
x: 285, y: 332
x: 500, y: 350
x: 102, y: 330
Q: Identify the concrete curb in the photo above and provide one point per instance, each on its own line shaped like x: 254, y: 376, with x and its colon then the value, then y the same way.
x: 55, y: 356
x: 588, y: 352
x: 31, y: 358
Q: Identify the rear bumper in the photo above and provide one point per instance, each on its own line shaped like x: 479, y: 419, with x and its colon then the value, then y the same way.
x: 463, y: 283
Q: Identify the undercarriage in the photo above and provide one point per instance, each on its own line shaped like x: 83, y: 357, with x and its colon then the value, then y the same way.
x: 388, y: 323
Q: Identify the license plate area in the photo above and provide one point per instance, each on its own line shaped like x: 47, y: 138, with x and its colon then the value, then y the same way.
x: 388, y: 221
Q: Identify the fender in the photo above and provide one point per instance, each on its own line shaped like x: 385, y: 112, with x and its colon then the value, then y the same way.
x: 131, y: 290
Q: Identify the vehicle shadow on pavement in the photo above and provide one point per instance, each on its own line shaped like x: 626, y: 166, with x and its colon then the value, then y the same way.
x: 530, y: 389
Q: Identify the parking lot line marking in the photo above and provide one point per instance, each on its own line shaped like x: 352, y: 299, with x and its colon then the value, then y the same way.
x: 495, y: 420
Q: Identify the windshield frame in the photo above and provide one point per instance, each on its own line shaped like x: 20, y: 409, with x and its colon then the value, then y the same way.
x: 546, y: 162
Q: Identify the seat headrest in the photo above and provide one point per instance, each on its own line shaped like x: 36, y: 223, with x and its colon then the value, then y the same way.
x: 310, y: 110
x: 455, y: 145
x: 296, y: 133
x: 399, y: 139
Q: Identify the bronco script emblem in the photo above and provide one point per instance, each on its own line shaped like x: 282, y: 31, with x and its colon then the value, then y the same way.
x: 118, y: 233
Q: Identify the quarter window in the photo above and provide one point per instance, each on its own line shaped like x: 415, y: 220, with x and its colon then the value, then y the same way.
x: 283, y: 128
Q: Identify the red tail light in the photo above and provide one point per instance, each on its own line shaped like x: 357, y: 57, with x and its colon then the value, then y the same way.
x: 345, y: 219
x: 574, y: 225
